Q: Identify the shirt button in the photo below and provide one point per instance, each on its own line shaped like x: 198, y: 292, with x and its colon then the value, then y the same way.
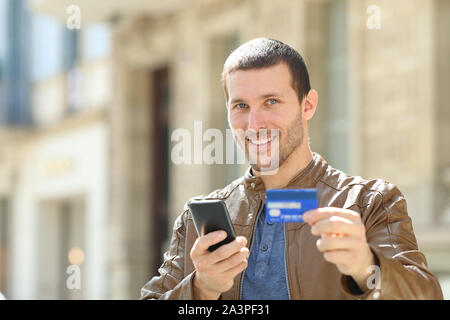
x: 264, y: 247
x: 252, y: 185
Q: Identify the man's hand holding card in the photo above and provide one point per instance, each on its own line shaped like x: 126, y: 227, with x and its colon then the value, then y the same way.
x: 342, y: 233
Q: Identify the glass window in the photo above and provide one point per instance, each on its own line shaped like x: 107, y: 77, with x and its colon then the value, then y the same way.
x: 72, y: 67
x: 47, y: 56
x: 2, y: 57
x: 2, y: 32
x: 70, y: 50
x: 15, y: 73
x: 96, y: 42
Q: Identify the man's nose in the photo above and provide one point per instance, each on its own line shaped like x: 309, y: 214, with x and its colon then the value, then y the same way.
x: 256, y: 120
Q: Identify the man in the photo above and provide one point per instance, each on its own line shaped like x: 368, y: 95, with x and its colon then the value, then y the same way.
x: 359, y: 244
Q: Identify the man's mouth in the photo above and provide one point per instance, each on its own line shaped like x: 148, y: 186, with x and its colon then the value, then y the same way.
x: 261, y: 143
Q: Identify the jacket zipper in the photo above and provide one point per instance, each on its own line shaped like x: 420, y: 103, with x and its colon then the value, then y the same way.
x: 285, y: 262
x: 251, y: 246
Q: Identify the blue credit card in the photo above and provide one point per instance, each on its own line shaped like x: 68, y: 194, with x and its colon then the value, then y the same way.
x: 289, y: 205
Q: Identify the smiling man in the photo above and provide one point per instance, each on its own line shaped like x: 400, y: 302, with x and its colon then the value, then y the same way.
x: 359, y: 244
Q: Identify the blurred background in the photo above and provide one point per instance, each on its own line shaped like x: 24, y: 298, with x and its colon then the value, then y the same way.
x: 91, y: 91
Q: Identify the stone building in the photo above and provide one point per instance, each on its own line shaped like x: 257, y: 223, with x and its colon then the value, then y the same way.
x: 380, y: 68
x: 53, y: 156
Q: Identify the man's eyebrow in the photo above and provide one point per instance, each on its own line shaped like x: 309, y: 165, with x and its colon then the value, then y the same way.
x: 264, y: 96
x: 273, y: 94
x: 237, y: 100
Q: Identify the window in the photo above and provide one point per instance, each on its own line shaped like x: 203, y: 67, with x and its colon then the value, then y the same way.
x: 15, y: 74
x: 71, y: 65
x: 2, y: 37
x: 46, y: 47
x: 97, y: 41
x: 70, y: 52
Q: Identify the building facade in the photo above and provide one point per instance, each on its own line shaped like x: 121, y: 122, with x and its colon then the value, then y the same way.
x: 54, y: 157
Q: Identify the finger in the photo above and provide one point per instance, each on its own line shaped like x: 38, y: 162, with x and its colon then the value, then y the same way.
x: 227, y: 250
x: 232, y: 261
x: 333, y: 235
x: 233, y: 272
x: 202, y: 243
x: 313, y: 216
x: 336, y: 224
x: 338, y: 256
x: 329, y: 244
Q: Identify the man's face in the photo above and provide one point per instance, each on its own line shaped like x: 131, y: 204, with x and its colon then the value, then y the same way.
x: 263, y: 104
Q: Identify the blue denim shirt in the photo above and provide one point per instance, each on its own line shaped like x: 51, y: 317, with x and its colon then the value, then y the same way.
x: 265, y: 276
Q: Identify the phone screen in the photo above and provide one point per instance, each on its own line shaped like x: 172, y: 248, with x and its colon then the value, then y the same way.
x: 209, y: 216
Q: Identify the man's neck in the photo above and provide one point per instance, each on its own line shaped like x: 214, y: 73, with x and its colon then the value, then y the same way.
x: 295, y: 163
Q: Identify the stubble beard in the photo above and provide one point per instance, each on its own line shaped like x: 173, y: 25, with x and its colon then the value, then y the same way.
x: 287, y: 144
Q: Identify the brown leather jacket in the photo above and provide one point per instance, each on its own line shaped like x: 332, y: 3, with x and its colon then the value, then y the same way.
x: 403, y: 268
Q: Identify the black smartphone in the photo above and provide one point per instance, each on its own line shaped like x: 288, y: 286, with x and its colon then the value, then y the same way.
x: 212, y: 215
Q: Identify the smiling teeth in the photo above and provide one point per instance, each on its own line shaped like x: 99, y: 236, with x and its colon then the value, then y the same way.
x: 262, y: 141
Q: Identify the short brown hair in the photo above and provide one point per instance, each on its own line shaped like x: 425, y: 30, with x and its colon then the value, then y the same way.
x: 264, y: 52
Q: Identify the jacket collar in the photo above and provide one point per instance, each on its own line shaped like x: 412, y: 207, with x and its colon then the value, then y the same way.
x: 306, y: 178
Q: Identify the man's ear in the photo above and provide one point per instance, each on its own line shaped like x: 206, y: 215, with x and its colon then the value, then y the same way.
x: 310, y: 104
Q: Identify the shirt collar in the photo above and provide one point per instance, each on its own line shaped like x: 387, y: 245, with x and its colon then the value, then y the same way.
x: 306, y: 178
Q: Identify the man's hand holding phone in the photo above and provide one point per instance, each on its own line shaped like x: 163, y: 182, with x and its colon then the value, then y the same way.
x: 216, y: 270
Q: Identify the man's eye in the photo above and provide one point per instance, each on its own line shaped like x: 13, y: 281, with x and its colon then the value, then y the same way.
x: 241, y: 106
x: 272, y: 101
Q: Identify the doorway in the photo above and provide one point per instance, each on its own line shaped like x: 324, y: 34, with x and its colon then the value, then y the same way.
x: 61, y: 244
x: 5, y: 251
x: 160, y: 159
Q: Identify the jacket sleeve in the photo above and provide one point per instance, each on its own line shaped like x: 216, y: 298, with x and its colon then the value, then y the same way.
x: 403, y: 271
x: 171, y: 282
